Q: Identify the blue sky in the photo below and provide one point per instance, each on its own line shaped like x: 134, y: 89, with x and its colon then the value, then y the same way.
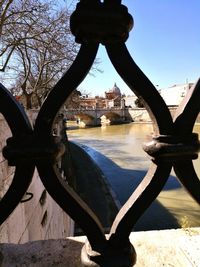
x: 164, y: 42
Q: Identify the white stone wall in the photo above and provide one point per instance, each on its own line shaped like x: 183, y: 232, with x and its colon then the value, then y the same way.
x: 139, y: 115
x: 39, y: 218
x: 130, y: 101
x: 174, y: 95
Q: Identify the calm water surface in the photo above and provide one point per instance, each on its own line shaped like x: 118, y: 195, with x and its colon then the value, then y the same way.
x: 118, y: 151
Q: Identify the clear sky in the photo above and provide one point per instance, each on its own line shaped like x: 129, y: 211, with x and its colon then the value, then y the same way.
x: 164, y: 42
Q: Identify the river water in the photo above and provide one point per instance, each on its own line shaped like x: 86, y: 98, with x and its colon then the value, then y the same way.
x: 118, y: 151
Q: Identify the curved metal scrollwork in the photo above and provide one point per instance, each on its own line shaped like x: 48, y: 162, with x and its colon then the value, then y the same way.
x: 108, y: 23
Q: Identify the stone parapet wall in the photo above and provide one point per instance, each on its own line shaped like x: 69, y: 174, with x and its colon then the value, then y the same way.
x: 39, y: 218
x: 141, y: 114
x: 178, y: 248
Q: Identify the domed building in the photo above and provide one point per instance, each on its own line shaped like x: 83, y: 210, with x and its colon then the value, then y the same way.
x: 114, y: 97
x: 113, y: 93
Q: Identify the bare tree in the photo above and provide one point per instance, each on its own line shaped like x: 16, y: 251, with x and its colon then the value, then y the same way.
x: 4, y: 7
x: 36, y: 45
x: 17, y: 23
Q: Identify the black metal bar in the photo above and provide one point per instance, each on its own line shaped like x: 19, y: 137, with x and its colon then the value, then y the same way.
x: 138, y: 202
x: 68, y: 83
x: 187, y: 176
x: 184, y: 121
x: 61, y: 192
x: 157, y: 176
x: 20, y: 126
x: 188, y: 111
x: 71, y: 203
x: 14, y: 113
x: 20, y: 183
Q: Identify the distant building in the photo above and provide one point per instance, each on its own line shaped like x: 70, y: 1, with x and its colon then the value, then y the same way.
x: 86, y: 102
x: 174, y: 95
x: 113, y: 93
x: 130, y: 101
x: 112, y: 99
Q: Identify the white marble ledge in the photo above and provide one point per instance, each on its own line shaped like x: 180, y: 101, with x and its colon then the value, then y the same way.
x: 178, y: 248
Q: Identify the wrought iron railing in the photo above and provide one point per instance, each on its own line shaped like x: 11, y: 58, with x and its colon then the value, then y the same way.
x: 174, y: 144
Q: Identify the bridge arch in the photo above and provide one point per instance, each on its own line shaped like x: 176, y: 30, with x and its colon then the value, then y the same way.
x: 110, y: 118
x: 84, y: 119
x: 93, y: 117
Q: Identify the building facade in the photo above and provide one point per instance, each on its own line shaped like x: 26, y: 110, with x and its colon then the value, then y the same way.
x: 174, y: 95
x: 113, y: 98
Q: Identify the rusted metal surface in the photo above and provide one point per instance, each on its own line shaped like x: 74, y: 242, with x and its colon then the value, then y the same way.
x: 174, y: 144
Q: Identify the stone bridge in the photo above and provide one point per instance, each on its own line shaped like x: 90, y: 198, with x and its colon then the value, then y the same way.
x: 93, y: 117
